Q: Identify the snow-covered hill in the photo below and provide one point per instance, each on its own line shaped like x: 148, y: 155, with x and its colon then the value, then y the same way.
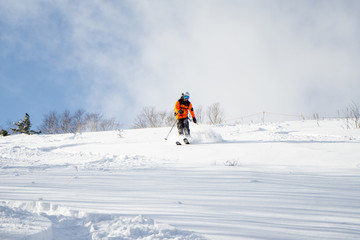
x: 290, y: 180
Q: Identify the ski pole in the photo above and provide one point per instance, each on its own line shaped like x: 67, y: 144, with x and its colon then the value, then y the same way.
x: 171, y: 130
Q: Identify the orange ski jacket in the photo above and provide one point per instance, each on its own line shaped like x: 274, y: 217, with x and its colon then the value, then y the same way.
x: 185, y: 106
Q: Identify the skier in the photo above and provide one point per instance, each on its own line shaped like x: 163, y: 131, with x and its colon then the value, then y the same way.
x: 182, y: 108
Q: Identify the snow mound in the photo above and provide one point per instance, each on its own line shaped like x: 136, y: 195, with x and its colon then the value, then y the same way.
x: 40, y: 220
x: 136, y: 228
x: 19, y: 224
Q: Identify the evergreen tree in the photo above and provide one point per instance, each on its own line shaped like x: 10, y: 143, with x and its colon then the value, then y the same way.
x: 23, y: 126
x: 3, y: 132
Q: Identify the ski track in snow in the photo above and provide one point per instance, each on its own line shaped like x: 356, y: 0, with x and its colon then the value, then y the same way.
x: 291, y: 180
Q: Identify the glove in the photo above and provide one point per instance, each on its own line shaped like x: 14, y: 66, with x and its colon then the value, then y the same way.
x: 180, y: 111
x: 194, y: 120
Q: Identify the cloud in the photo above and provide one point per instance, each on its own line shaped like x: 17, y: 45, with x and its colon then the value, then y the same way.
x: 291, y: 57
x: 265, y: 56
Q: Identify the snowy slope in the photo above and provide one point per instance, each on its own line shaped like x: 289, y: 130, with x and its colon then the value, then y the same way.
x: 290, y: 180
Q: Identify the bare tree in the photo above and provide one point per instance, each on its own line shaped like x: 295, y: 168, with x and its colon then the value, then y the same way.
x: 65, y: 122
x: 355, y: 112
x: 147, y: 118
x: 151, y: 118
x: 169, y: 118
x: 78, y: 121
x: 92, y: 121
x: 199, y: 114
x: 50, y: 123
x: 352, y: 114
x: 215, y: 114
x: 140, y: 122
x: 161, y: 118
x: 316, y: 117
x: 109, y: 124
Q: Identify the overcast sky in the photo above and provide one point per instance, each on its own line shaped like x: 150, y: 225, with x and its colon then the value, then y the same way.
x: 115, y: 57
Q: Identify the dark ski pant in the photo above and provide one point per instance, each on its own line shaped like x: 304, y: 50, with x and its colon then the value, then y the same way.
x: 183, y: 126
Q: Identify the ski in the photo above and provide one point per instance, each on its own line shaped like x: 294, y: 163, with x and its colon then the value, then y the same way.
x: 186, y: 141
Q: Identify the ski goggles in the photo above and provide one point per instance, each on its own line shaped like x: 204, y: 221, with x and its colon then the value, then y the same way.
x: 186, y: 97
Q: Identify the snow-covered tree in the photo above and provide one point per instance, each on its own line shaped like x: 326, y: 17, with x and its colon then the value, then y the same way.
x: 23, y: 126
x: 3, y: 132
